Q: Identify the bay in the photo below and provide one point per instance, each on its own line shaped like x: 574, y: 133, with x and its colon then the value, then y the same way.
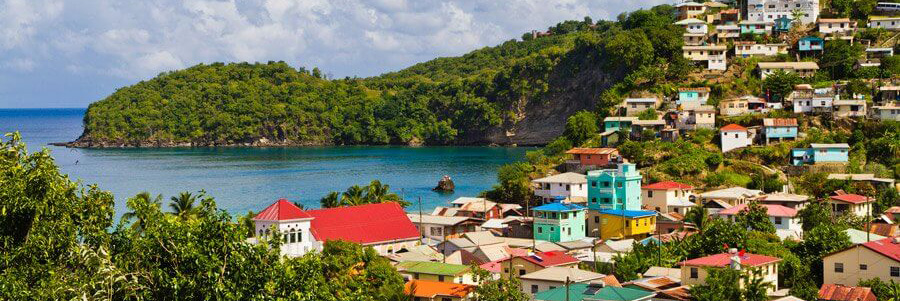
x: 242, y: 178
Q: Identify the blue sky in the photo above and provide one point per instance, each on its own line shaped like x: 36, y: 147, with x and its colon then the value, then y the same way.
x: 56, y: 53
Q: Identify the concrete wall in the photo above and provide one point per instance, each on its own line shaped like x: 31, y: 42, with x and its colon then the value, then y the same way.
x: 877, y: 266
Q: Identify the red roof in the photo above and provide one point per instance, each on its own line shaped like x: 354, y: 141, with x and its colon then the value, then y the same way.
x: 592, y: 151
x: 667, y: 185
x: 850, y: 198
x: 724, y: 259
x: 281, y: 210
x: 893, y: 210
x: 550, y: 259
x: 886, y: 247
x: 837, y: 292
x: 733, y: 128
x: 363, y: 224
x: 771, y: 209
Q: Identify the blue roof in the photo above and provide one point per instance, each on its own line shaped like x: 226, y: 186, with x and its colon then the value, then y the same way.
x: 628, y: 213
x: 811, y: 38
x: 559, y: 207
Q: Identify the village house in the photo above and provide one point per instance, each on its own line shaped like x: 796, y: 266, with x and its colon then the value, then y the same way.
x: 878, y: 183
x: 819, y: 153
x: 787, y: 225
x: 692, y: 25
x: 769, y: 10
x: 623, y: 224
x: 697, y: 117
x: 842, y: 26
x: 726, y: 33
x: 732, y: 196
x: 805, y: 99
x: 734, y: 136
x: 712, y: 57
x: 618, y: 188
x: 779, y: 129
x: 567, y: 185
x: 511, y: 227
x: 793, y: 201
x: 639, y: 126
x: 594, y: 157
x: 670, y: 222
x: 695, y: 271
x: 436, y: 271
x: 521, y: 265
x: 782, y: 25
x: 668, y: 196
x: 888, y: 94
x: 890, y: 111
x: 888, y: 23
x: 874, y: 259
x: 742, y: 105
x: 439, y: 228
x: 755, y: 27
x: 847, y: 108
x: 810, y: 45
x: 690, y: 97
x: 725, y: 16
x: 837, y: 292
x: 802, y: 69
x: 634, y: 106
x: 479, y: 208
x: 695, y: 39
x: 553, y: 277
x: 687, y: 10
x: 558, y: 222
x: 423, y: 290
x: 848, y: 203
x: 593, y: 291
x: 617, y: 123
x: 750, y: 49
x: 303, y: 231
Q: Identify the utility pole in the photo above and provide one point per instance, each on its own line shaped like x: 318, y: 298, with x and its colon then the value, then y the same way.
x: 567, y: 288
x: 421, y: 225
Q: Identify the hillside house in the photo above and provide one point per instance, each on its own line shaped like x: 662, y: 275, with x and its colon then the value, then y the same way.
x: 292, y: 222
x: 439, y: 228
x: 734, y: 136
x: 668, y: 196
x: 838, y: 27
x: 890, y: 111
x: 756, y: 27
x: 726, y: 33
x: 769, y: 10
x: 819, y: 153
x: 888, y: 23
x: 688, y: 10
x: 624, y: 224
x: 521, y: 265
x: 793, y: 201
x: 848, y: 203
x: 692, y: 25
x: 692, y: 96
x: 617, y: 123
x: 805, y: 99
x: 423, y: 290
x: 874, y: 259
x: 787, y: 224
x: 779, y: 129
x: 567, y: 185
x: 559, y: 222
x: 782, y: 25
x: 878, y: 183
x: 749, y: 49
x: 732, y: 196
x: 802, y: 69
x: 846, y: 108
x: 888, y: 94
x: 712, y: 57
x: 436, y: 271
x: 554, y: 277
x: 697, y: 117
x: 618, y: 189
x: 634, y: 106
x: 639, y: 126
x: 810, y: 45
x: 695, y: 271
x: 598, y: 157
x: 694, y: 39
x: 726, y: 16
x: 742, y: 105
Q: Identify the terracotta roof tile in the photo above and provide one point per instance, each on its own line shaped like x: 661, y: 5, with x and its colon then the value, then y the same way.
x: 837, y: 292
x: 780, y: 121
x: 724, y: 259
x: 732, y: 128
x: 592, y: 151
x: 667, y: 185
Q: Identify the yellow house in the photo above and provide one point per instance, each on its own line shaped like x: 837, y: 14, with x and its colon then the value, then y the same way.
x: 875, y: 259
x: 694, y: 271
x: 622, y: 224
x: 437, y: 272
x: 521, y: 265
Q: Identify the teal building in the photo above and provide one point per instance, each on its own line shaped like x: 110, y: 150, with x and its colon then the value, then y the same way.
x: 615, y: 188
x: 559, y: 222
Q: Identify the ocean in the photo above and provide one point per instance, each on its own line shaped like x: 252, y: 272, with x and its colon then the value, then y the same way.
x: 242, y: 178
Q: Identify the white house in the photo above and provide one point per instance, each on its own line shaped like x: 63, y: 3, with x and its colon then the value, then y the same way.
x: 692, y: 25
x: 802, y: 69
x: 769, y: 10
x: 734, y: 136
x: 836, y: 26
x: 889, y: 111
x: 785, y: 219
x: 668, y: 196
x: 889, y: 23
x: 696, y: 117
x: 567, y: 185
x: 293, y: 225
x: 713, y: 55
x: 727, y: 32
x: 749, y: 49
x: 805, y: 99
x: 849, y: 108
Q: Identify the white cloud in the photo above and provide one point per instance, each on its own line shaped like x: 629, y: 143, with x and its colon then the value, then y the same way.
x: 136, y: 39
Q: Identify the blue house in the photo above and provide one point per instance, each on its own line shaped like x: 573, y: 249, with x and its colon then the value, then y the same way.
x: 692, y: 96
x: 779, y: 129
x: 617, y: 123
x: 559, y: 222
x: 782, y: 24
x: 755, y: 27
x: 820, y: 153
x: 810, y: 44
x: 617, y: 189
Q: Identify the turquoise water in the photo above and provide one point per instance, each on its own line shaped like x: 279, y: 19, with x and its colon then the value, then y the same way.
x: 244, y: 179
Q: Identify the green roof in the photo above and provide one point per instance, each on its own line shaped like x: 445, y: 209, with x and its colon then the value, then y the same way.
x: 432, y: 268
x: 580, y: 292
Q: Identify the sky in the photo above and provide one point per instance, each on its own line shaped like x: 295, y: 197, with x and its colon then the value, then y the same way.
x: 57, y: 53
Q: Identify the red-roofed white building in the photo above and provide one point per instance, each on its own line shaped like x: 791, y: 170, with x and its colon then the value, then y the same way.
x: 734, y: 136
x: 384, y: 227
x: 855, y: 204
x: 694, y: 271
x: 668, y: 196
x: 875, y: 259
x: 785, y: 219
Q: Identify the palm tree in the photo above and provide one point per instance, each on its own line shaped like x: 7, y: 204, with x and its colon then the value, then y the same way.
x: 331, y: 200
x: 697, y: 216
x: 355, y: 195
x: 128, y: 216
x: 380, y: 193
x: 183, y: 205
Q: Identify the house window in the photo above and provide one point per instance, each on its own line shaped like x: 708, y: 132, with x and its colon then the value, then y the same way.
x: 593, y: 183
x: 895, y: 271
x: 540, y: 230
x: 605, y: 184
x: 863, y: 267
x: 838, y: 267
x: 694, y: 273
x: 534, y: 289
x: 437, y: 231
x: 521, y: 272
x: 293, y: 237
x: 441, y: 278
x: 619, y: 185
x: 506, y: 270
x: 594, y: 200
x: 606, y: 200
x: 650, y: 194
x: 446, y: 299
x: 568, y: 187
x: 299, y: 235
x: 778, y: 220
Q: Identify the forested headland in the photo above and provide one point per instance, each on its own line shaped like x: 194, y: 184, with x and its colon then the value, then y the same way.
x: 518, y: 92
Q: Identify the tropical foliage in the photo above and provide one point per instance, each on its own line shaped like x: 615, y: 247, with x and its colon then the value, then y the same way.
x: 374, y: 193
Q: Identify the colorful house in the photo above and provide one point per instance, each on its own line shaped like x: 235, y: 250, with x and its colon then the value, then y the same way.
x: 521, y: 265
x: 756, y: 27
x: 848, y: 203
x: 692, y: 96
x: 686, y: 10
x: 585, y: 291
x: 692, y: 25
x: 874, y: 259
x: 805, y: 99
x: 810, y: 44
x: 778, y: 129
x: 734, y: 136
x: 594, y: 156
x: 618, y: 188
x: 668, y: 196
x: 617, y: 123
x: 436, y: 271
x: 424, y: 290
x: 568, y: 185
x: 782, y: 25
x: 820, y: 153
x: 695, y: 271
x: 624, y: 224
x: 558, y: 222
x: 554, y: 277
